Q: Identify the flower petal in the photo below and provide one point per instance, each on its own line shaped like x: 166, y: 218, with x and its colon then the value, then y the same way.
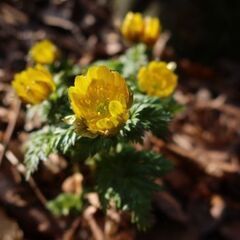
x: 115, y: 108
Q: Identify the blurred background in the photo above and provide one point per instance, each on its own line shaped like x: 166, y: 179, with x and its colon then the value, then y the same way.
x: 202, y: 197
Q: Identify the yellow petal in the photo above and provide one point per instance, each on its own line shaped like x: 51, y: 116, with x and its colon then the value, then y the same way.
x: 156, y: 79
x: 74, y: 98
x: 151, y: 30
x: 44, y: 52
x: 92, y: 72
x: 82, y: 83
x: 115, y: 121
x: 132, y: 27
x: 115, y: 108
x: 34, y: 84
x: 104, y: 123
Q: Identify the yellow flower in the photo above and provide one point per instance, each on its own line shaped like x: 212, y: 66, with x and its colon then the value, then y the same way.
x: 44, y: 52
x: 100, y: 100
x: 34, y: 84
x: 135, y: 28
x: 132, y: 26
x: 151, y: 30
x: 156, y: 79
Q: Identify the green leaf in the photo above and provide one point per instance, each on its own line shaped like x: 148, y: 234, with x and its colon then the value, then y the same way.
x: 134, y: 58
x: 65, y: 203
x: 149, y: 114
x: 46, y: 141
x: 129, y: 63
x: 128, y: 178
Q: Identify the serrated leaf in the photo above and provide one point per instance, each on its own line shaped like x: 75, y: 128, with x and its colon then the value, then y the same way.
x: 128, y: 179
x: 46, y: 141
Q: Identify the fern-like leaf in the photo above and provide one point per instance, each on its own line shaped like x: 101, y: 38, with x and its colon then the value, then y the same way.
x: 46, y: 141
x: 127, y: 178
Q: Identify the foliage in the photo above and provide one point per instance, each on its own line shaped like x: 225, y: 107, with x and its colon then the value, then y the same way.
x: 149, y: 114
x: 129, y: 63
x: 65, y: 203
x: 46, y: 141
x: 127, y: 178
x: 133, y: 59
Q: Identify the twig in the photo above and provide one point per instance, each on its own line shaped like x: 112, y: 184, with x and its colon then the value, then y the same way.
x: 161, y: 45
x: 19, y: 167
x: 180, y: 151
x: 173, y: 148
x: 37, y: 191
x: 22, y: 169
x: 218, y: 103
x: 69, y: 234
x: 89, y: 217
x: 64, y: 24
x: 10, y: 130
x: 225, y: 108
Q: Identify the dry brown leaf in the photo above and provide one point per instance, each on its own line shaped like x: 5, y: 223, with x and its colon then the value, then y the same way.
x: 73, y: 184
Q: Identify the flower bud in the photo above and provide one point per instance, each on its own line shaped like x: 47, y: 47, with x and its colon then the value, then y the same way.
x: 44, y: 52
x: 132, y: 26
x: 156, y: 79
x: 33, y: 85
x: 151, y: 30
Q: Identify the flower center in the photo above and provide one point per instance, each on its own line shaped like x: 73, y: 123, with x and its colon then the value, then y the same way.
x: 102, y: 108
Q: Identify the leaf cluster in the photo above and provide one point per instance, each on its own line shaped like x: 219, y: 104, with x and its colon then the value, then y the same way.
x: 127, y: 179
x: 149, y: 114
